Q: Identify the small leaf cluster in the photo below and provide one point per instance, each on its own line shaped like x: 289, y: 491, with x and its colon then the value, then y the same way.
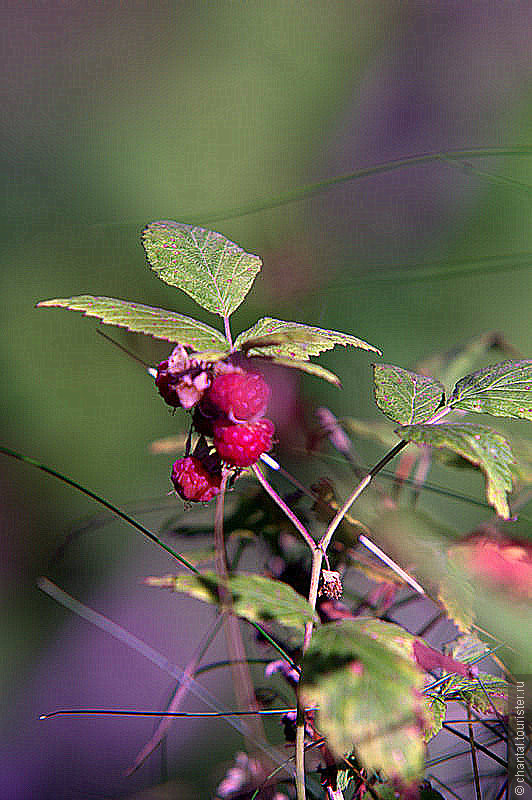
x: 418, y: 403
x: 218, y: 275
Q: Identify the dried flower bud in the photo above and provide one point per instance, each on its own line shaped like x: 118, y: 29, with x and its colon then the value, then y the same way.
x: 331, y: 585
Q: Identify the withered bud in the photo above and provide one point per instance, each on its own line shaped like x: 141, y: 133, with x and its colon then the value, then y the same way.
x: 330, y: 585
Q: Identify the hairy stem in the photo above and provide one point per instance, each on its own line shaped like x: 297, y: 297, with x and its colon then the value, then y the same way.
x: 227, y: 329
x: 283, y: 506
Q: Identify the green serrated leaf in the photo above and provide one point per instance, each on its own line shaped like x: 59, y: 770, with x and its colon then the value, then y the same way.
x: 254, y: 597
x: 481, y: 446
x: 156, y: 322
x: 483, y: 693
x: 366, y: 690
x: 457, y: 594
x: 404, y: 396
x: 436, y: 710
x: 503, y: 390
x: 309, y: 367
x: 217, y: 273
x: 276, y: 337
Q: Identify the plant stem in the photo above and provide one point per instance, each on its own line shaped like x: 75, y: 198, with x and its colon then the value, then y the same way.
x: 177, y: 699
x: 283, y: 506
x: 115, y: 510
x: 326, y: 539
x: 473, y: 754
x: 227, y: 329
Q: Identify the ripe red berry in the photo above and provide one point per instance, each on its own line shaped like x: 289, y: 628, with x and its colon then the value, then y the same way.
x: 239, y: 396
x: 241, y: 445
x: 193, y: 482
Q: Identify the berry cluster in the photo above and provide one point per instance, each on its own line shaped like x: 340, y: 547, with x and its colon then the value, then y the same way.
x: 228, y: 406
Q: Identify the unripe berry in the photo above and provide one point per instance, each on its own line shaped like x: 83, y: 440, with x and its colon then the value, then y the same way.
x: 241, y: 445
x: 239, y: 396
x: 193, y: 482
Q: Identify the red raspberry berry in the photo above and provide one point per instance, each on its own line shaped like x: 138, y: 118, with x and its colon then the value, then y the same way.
x: 241, y: 445
x: 193, y: 482
x: 239, y: 396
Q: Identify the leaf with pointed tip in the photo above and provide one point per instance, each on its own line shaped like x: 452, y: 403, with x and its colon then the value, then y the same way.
x: 404, y: 396
x: 483, y: 693
x: 215, y: 272
x: 309, y: 367
x: 276, y: 337
x: 366, y: 686
x: 482, y: 446
x: 503, y: 390
x: 156, y: 322
x: 254, y: 597
x: 436, y: 710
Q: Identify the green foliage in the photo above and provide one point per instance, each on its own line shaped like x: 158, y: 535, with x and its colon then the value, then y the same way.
x: 310, y: 368
x: 481, y: 446
x: 436, y: 711
x: 254, y: 597
x: 156, y: 322
x: 483, y: 694
x: 276, y: 337
x: 365, y: 684
x: 503, y: 390
x: 215, y: 272
x: 420, y: 544
x: 404, y: 396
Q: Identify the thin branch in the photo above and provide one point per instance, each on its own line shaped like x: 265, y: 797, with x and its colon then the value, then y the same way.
x: 119, y: 513
x: 124, y: 712
x: 479, y: 746
x: 179, y: 695
x: 473, y: 754
x: 227, y: 328
x: 284, y: 507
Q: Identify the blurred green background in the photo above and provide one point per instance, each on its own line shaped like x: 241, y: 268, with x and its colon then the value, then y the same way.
x: 115, y: 115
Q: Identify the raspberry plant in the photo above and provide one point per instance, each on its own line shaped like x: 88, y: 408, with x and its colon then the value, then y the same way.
x: 367, y: 699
